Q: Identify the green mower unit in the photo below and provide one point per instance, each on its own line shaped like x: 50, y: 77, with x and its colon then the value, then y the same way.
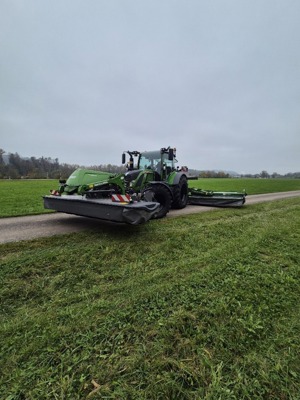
x: 151, y: 186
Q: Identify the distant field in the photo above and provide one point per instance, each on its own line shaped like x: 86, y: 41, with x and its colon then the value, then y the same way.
x: 24, y: 197
x: 252, y: 186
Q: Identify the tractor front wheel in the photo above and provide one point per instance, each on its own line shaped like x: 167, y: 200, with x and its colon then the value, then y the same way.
x: 161, y: 195
x: 180, y: 194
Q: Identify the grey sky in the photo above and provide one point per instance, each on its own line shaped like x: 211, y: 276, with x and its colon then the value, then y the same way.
x: 219, y: 80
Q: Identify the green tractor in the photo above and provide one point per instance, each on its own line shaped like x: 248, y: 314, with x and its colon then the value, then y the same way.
x: 156, y: 178
x: 151, y: 176
x: 150, y: 187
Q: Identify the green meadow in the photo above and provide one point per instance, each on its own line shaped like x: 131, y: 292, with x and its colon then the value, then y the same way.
x: 202, y: 306
x: 251, y: 186
x: 24, y: 197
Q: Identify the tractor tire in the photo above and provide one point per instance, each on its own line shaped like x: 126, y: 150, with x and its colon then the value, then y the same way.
x: 180, y: 194
x: 161, y: 195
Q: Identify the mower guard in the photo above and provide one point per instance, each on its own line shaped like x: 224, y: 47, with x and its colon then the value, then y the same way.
x: 105, y: 209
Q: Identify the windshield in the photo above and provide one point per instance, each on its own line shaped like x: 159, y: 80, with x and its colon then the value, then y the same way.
x: 152, y: 160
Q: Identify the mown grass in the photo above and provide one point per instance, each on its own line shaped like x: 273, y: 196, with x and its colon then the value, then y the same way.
x: 24, y: 197
x: 203, y: 306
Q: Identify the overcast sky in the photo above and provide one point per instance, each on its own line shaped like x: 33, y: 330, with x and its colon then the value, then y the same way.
x: 83, y: 80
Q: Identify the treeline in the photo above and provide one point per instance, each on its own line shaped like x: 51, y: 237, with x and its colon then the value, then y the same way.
x: 13, y: 166
x: 214, y: 174
x: 262, y: 174
x: 266, y: 175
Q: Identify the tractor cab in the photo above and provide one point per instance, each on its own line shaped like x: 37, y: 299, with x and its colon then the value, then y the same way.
x: 160, y: 162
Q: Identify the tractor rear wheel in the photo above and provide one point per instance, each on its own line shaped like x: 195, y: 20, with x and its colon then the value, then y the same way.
x: 161, y: 195
x: 180, y: 194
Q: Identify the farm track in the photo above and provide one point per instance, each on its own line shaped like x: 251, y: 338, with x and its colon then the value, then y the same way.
x: 35, y: 226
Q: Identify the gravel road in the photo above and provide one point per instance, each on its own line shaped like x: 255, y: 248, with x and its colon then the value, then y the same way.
x: 36, y: 226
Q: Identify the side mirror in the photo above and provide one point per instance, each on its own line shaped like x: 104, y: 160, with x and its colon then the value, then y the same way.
x: 171, y: 155
x: 123, y: 158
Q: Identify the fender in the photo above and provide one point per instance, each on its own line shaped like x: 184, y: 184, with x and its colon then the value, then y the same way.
x: 174, y: 178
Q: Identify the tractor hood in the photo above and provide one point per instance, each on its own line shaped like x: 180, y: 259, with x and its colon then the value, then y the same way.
x: 86, y: 177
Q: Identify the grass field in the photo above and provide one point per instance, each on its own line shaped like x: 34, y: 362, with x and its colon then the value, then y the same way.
x: 252, y: 186
x: 203, y: 306
x: 24, y: 197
